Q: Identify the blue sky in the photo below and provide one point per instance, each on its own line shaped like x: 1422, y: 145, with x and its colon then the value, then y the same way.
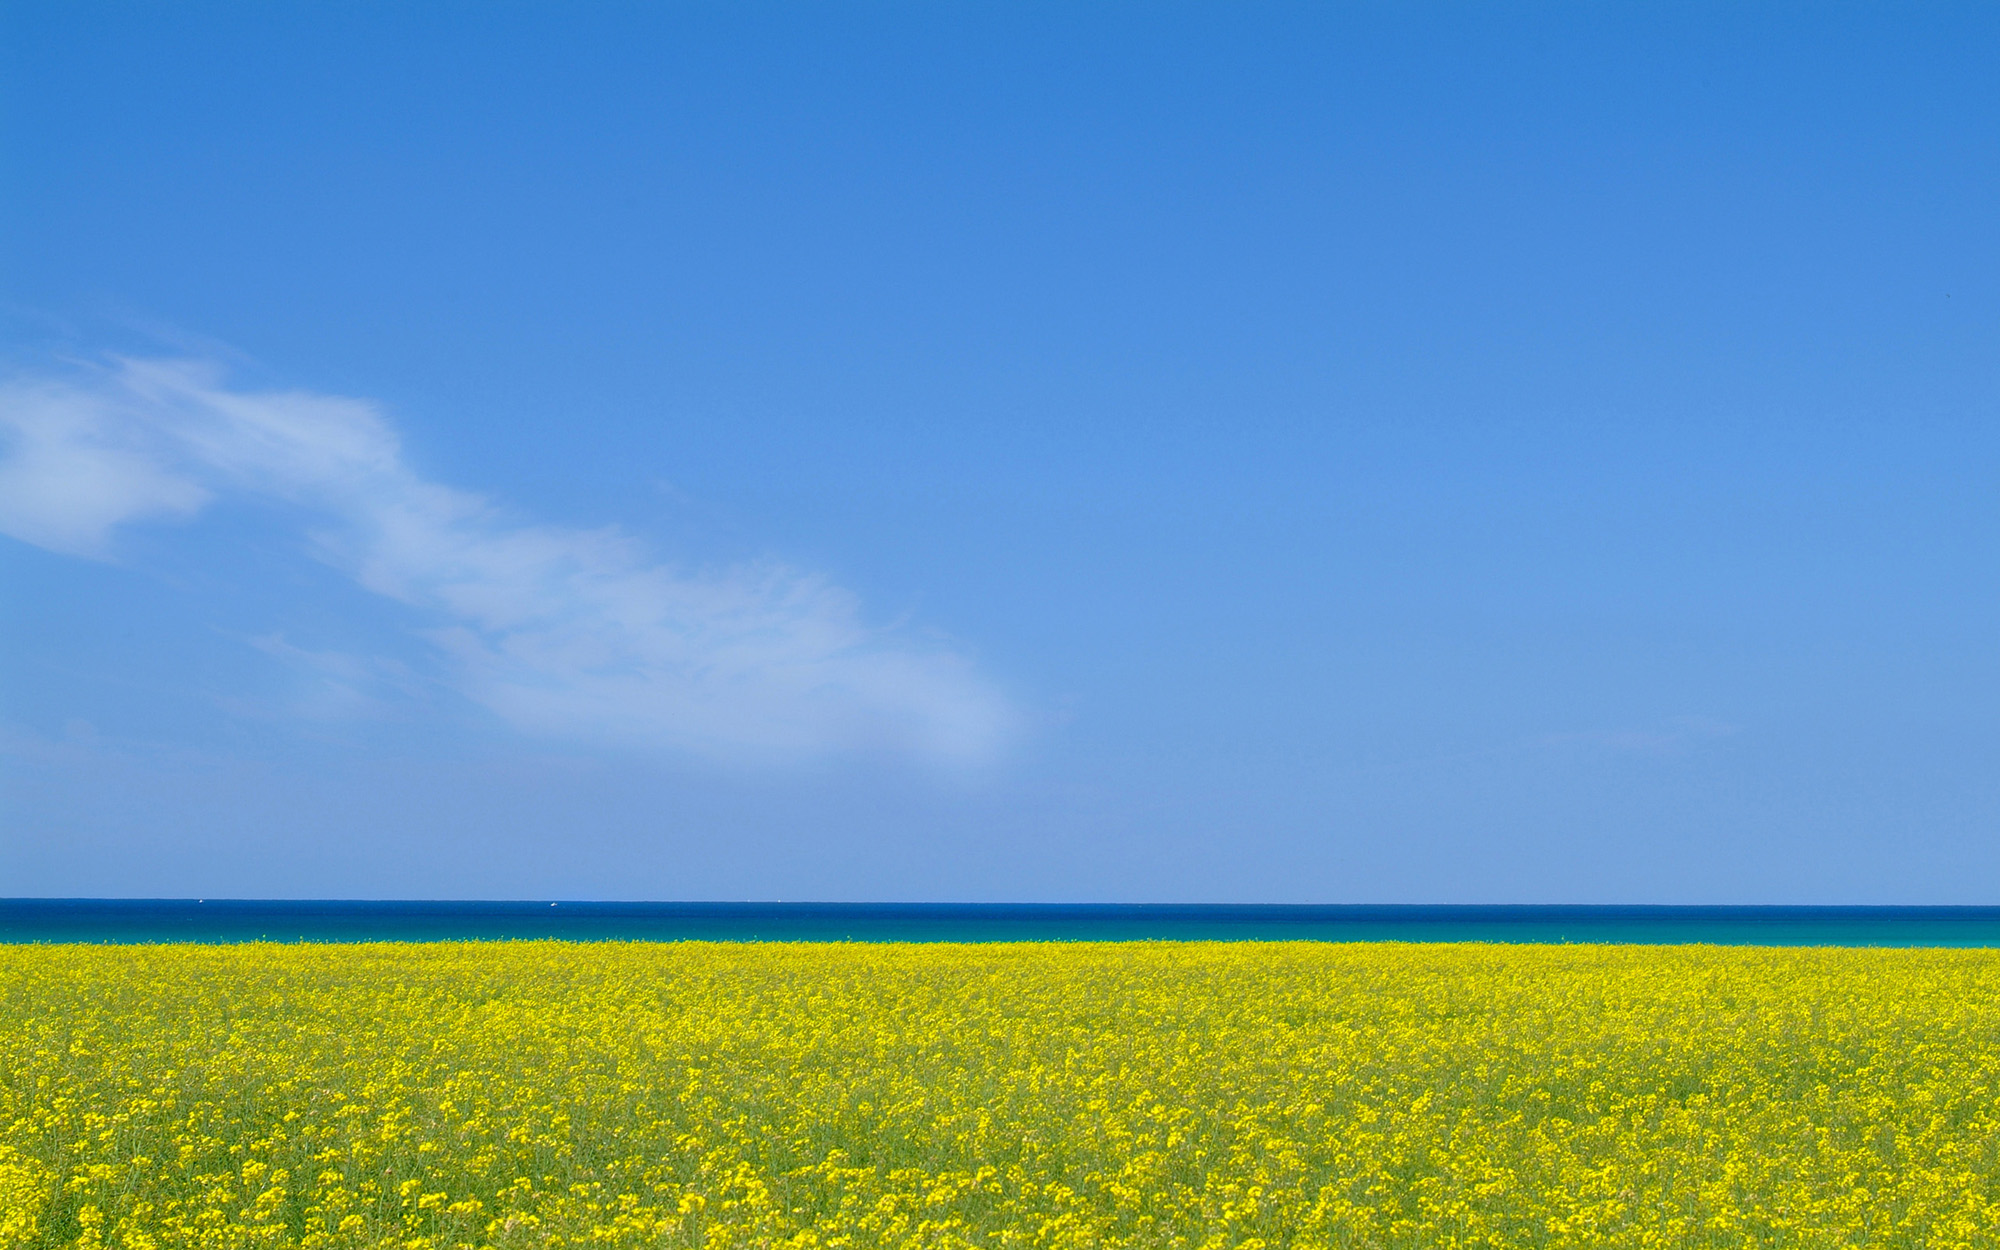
x: 1290, y: 453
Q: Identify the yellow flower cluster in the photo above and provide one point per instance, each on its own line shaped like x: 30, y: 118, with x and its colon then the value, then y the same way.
x: 427, y: 1097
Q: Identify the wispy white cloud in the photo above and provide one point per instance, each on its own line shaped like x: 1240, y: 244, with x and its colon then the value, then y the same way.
x: 78, y: 465
x: 556, y: 629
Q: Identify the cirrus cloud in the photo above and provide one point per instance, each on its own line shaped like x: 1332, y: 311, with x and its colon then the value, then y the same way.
x: 556, y: 629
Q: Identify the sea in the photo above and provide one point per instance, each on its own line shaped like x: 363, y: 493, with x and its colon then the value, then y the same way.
x: 42, y: 920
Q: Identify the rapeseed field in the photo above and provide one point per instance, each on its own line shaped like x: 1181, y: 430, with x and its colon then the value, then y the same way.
x: 1048, y: 1095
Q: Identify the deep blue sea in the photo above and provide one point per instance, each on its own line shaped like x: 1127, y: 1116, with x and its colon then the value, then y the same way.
x: 247, y: 920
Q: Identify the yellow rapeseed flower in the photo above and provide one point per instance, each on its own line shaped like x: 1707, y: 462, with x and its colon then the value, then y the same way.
x: 1204, y: 1096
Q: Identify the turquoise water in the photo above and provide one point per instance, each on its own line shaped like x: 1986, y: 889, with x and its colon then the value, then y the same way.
x: 245, y: 920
